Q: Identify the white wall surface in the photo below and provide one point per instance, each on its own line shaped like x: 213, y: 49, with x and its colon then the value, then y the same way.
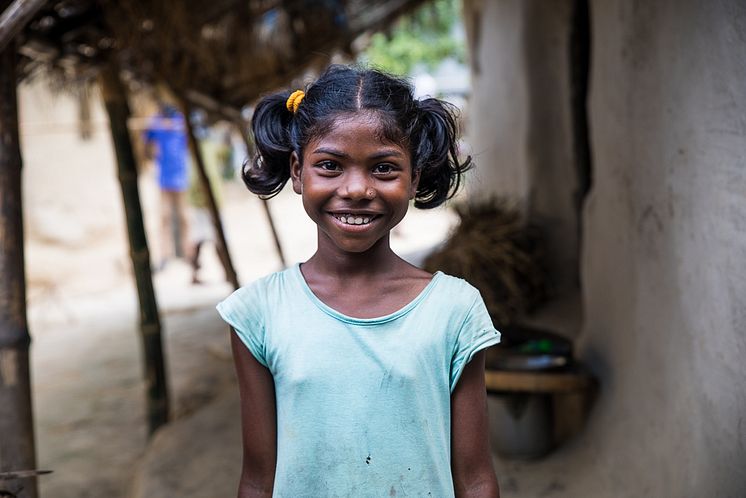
x: 497, y: 133
x: 663, y: 255
x: 521, y: 131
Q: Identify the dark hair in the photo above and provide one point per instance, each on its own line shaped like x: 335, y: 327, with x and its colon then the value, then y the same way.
x: 426, y: 127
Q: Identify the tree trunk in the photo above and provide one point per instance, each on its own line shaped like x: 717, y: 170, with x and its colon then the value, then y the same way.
x: 115, y: 100
x: 14, y: 18
x: 221, y: 245
x: 16, y: 420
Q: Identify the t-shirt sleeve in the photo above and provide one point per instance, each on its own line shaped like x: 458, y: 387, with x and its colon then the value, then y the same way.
x: 242, y: 310
x: 477, y: 332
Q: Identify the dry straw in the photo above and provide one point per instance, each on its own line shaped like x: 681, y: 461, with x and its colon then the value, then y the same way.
x: 500, y: 255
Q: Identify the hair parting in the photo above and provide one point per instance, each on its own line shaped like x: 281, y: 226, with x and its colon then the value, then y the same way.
x: 428, y: 128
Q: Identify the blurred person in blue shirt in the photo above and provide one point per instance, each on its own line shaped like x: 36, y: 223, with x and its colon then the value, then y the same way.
x: 166, y: 142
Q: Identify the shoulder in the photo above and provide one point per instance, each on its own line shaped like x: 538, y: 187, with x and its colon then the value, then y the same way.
x: 252, y: 298
x: 461, y: 293
x: 452, y: 301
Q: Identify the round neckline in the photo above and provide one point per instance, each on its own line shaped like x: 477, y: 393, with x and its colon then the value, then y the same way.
x: 363, y: 321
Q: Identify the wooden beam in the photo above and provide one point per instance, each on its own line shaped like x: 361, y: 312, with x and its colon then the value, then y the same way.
x: 212, y: 206
x: 208, y: 103
x: 15, y: 18
x: 372, y: 18
x: 115, y: 99
x: 275, y: 237
x: 265, y: 205
x: 17, y: 451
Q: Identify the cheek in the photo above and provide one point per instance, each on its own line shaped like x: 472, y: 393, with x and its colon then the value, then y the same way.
x: 311, y: 209
x: 312, y: 199
x: 399, y: 199
x: 307, y: 207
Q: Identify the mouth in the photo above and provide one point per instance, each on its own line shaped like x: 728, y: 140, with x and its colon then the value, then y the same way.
x: 354, y: 219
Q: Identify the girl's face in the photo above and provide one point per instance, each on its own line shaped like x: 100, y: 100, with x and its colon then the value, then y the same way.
x: 355, y: 185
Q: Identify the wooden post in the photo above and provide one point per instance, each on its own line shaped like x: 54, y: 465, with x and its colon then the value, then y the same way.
x: 115, y: 100
x: 265, y: 205
x: 17, y: 451
x: 220, y: 242
x: 15, y: 17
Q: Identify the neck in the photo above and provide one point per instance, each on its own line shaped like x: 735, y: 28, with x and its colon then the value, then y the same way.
x: 332, y: 261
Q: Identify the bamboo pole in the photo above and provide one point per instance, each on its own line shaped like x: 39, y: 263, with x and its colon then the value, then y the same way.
x: 17, y: 451
x: 265, y: 205
x: 220, y: 242
x: 15, y: 17
x: 115, y: 100
x: 275, y: 237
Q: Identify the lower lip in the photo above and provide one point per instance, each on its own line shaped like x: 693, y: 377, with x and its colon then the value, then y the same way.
x: 354, y: 228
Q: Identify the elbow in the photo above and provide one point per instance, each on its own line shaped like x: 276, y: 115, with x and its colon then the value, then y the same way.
x: 257, y: 481
x: 483, y: 486
x: 250, y: 487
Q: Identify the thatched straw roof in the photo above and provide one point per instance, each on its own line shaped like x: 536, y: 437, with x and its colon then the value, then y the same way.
x: 225, y: 51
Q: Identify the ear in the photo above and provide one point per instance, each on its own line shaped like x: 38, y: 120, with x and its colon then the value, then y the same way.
x: 415, y: 183
x: 295, y: 172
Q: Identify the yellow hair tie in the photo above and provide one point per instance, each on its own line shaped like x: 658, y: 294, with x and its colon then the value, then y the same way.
x: 294, y: 100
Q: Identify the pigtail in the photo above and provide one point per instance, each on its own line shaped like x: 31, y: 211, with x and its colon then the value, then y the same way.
x: 436, y: 154
x: 269, y: 170
x: 428, y: 127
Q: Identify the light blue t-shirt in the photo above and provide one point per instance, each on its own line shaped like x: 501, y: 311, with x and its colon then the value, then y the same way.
x: 363, y: 405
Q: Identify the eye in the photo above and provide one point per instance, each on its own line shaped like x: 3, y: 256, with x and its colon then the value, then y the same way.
x: 328, y: 166
x: 384, y: 169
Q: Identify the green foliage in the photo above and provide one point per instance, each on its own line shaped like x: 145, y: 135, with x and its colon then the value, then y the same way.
x: 424, y: 37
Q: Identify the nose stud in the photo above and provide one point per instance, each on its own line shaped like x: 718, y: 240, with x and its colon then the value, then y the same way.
x: 370, y: 194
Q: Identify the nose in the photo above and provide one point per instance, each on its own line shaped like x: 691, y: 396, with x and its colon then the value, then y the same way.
x: 355, y: 185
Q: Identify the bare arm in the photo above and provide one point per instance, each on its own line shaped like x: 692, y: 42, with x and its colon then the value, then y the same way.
x: 471, y: 462
x: 258, y: 421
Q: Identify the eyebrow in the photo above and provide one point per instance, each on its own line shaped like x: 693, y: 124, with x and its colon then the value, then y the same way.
x: 378, y: 155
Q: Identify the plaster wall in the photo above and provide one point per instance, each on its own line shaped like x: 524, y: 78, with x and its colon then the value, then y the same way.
x: 664, y: 246
x: 663, y: 235
x: 497, y: 120
x: 521, y: 131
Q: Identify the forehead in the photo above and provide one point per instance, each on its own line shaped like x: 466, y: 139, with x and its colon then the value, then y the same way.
x: 357, y: 128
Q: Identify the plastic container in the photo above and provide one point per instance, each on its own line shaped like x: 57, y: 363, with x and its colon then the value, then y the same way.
x: 520, y: 424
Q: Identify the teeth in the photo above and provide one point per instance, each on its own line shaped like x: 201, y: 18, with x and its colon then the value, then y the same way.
x: 354, y: 220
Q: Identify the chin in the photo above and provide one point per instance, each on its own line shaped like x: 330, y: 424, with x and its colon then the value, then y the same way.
x: 355, y: 248
x: 354, y: 245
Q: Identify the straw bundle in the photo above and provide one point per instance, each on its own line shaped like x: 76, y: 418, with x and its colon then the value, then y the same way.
x: 494, y: 250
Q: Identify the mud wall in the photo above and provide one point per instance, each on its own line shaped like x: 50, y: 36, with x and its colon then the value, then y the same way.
x: 663, y: 237
x: 521, y: 124
x: 664, y: 250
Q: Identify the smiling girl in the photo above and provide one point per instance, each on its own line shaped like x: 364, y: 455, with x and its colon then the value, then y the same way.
x: 360, y: 374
